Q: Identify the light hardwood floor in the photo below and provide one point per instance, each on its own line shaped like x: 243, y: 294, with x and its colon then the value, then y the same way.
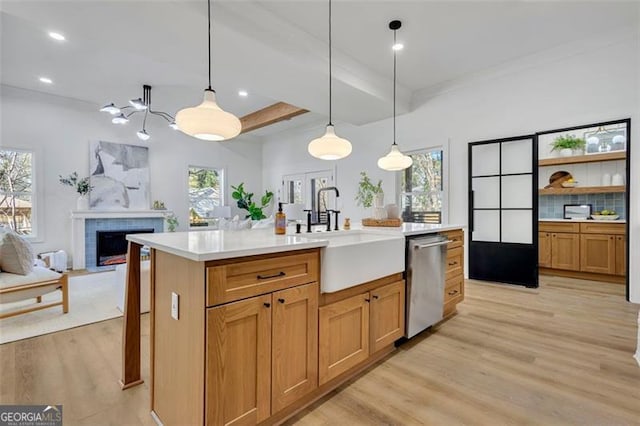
x: 560, y: 354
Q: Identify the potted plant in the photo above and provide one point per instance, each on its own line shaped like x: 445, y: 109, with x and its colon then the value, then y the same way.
x: 244, y: 201
x: 82, y: 187
x: 369, y: 195
x: 172, y: 221
x: 567, y: 144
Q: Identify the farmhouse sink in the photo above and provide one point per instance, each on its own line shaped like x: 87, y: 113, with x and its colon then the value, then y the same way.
x: 356, y: 257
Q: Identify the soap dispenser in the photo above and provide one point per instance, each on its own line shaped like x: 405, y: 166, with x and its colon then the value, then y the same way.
x: 281, y: 221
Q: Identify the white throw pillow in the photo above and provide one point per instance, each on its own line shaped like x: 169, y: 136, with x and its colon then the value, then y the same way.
x: 16, y: 254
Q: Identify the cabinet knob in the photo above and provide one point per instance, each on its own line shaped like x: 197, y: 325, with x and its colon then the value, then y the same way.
x: 367, y: 300
x: 281, y: 300
x: 375, y: 297
x: 611, y: 238
x: 451, y: 293
x: 267, y: 305
x: 453, y: 263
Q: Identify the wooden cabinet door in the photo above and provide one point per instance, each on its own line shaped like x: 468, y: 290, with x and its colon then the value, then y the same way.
x: 544, y: 249
x: 386, y: 315
x: 238, y: 362
x: 344, y: 336
x: 565, y: 251
x: 294, y: 352
x: 597, y: 253
x: 621, y: 255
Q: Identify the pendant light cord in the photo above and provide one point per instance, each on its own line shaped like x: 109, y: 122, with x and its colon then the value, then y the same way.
x: 330, y: 82
x: 394, y: 88
x: 209, y: 38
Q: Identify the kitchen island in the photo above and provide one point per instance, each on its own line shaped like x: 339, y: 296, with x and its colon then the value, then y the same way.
x: 240, y: 329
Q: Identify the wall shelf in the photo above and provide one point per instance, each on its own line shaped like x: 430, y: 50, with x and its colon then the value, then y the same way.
x: 581, y: 190
x: 607, y: 156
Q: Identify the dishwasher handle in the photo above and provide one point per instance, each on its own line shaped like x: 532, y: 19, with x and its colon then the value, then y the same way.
x: 439, y: 243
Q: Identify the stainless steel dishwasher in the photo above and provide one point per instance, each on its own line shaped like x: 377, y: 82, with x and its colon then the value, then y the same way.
x: 426, y: 258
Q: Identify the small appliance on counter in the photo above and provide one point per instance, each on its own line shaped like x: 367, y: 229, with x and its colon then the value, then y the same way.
x: 577, y: 211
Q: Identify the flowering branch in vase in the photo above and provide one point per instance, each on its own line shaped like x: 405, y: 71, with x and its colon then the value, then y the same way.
x: 82, y: 186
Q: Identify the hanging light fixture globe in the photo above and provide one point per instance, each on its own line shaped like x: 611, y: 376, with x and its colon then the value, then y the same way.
x: 208, y: 121
x: 329, y: 146
x: 395, y: 160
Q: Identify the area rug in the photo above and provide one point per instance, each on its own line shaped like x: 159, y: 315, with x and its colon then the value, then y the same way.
x: 92, y: 298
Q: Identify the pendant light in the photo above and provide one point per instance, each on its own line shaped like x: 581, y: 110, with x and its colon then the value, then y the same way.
x: 395, y: 160
x: 208, y: 121
x: 330, y: 146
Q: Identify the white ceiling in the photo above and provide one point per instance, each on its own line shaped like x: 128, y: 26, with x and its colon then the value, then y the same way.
x: 277, y: 50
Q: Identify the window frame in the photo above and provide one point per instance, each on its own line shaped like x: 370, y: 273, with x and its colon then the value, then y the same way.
x: 309, y: 199
x: 222, y: 173
x: 34, y: 236
x: 444, y: 214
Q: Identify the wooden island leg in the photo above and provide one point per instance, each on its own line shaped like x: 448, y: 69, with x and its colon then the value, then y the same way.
x: 131, y: 321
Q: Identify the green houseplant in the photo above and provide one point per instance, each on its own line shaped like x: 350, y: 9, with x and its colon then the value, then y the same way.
x: 567, y: 143
x: 245, y: 201
x: 367, y: 191
x: 82, y: 186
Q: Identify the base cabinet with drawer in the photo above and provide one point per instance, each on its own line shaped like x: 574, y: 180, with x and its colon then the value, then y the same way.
x: 454, y: 272
x: 358, y: 326
x: 589, y: 250
x: 261, y: 355
x: 251, y: 343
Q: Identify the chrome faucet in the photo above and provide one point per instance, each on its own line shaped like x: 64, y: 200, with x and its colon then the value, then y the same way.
x: 320, y: 191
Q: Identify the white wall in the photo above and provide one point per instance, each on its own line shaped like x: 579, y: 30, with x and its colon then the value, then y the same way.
x: 59, y: 130
x: 586, y: 86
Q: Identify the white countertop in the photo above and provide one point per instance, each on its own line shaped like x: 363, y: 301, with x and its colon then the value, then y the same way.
x: 215, y: 245
x: 581, y: 220
x: 408, y: 228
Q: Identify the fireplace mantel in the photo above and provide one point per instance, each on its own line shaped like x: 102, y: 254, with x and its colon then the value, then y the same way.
x: 78, y: 218
x: 112, y: 214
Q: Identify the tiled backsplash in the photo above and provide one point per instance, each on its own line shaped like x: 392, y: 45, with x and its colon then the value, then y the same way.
x: 552, y: 206
x: 93, y: 225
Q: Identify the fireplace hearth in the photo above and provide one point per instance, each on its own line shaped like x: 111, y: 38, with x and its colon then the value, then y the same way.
x: 112, y: 245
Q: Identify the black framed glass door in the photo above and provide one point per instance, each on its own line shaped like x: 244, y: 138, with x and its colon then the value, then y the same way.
x: 503, y: 210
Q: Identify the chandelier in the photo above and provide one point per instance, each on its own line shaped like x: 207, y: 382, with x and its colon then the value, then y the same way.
x: 139, y: 105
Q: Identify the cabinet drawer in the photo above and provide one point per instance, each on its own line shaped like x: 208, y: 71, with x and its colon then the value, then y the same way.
x: 456, y: 237
x: 454, y: 262
x: 239, y: 280
x: 603, y: 228
x: 454, y: 289
x: 558, y: 227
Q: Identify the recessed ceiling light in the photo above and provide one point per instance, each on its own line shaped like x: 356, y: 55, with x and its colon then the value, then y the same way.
x: 45, y: 80
x: 57, y: 36
x: 243, y: 93
x: 398, y: 46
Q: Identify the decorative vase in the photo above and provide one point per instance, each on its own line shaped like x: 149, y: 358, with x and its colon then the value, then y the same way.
x: 82, y: 203
x: 379, y: 213
x: 378, y: 200
x: 566, y: 152
x: 393, y: 211
x: 578, y: 151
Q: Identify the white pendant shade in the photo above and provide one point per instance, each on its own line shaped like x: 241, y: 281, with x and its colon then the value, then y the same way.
x: 330, y: 146
x: 208, y: 121
x: 395, y: 160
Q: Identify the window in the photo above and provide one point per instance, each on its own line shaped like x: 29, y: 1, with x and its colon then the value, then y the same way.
x: 205, y: 193
x: 16, y: 191
x: 422, y: 187
x: 303, y: 188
